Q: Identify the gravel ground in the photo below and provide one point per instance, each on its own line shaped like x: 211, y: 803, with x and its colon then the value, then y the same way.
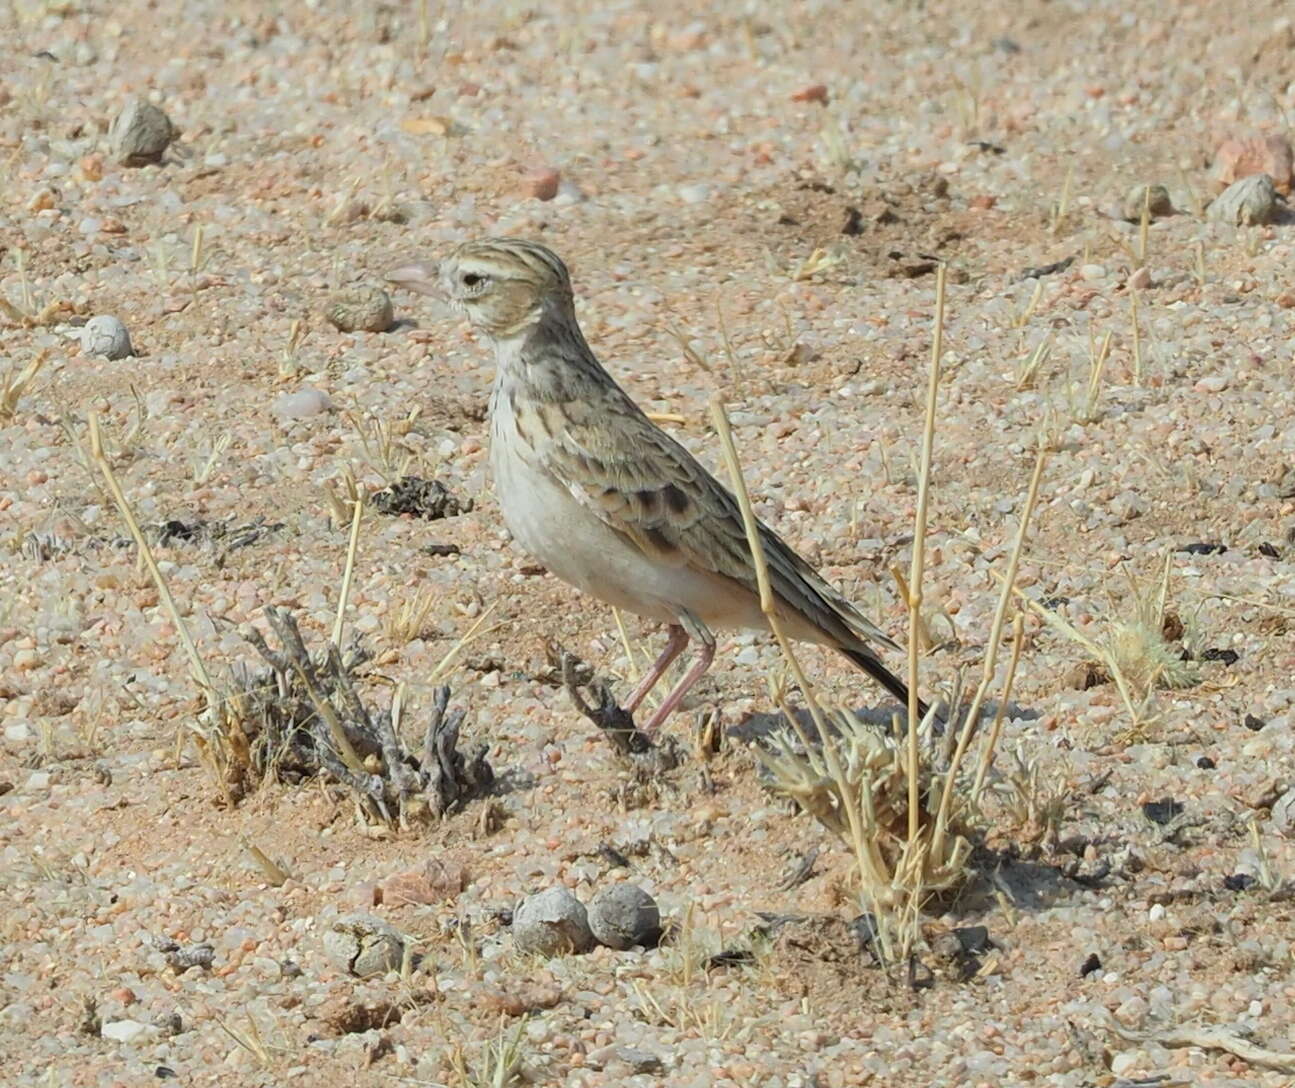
x: 751, y: 202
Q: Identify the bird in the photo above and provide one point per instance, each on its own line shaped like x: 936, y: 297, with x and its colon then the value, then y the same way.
x: 607, y: 500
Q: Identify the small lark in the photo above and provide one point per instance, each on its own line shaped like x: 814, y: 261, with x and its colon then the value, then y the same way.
x: 607, y: 500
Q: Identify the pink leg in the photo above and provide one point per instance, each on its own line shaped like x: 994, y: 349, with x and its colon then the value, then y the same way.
x: 673, y: 648
x: 691, y: 677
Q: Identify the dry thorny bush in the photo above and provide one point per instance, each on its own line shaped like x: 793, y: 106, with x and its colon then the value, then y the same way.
x: 301, y: 716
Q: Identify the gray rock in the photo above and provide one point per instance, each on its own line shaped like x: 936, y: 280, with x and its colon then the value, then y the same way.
x: 363, y: 945
x: 1153, y: 197
x: 552, y: 923
x: 640, y: 1061
x: 106, y: 336
x: 140, y: 133
x: 623, y: 916
x: 1250, y: 202
x: 364, y: 309
x: 304, y: 403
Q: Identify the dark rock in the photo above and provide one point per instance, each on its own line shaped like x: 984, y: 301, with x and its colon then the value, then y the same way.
x: 1163, y: 811
x: 623, y: 916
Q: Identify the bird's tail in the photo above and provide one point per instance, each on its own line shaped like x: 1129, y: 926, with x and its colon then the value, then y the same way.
x: 887, y: 679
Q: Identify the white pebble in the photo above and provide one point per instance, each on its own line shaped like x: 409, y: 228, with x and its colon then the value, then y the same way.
x: 1092, y: 272
x: 126, y: 1031
x: 300, y: 405
x: 694, y: 194
x: 106, y: 336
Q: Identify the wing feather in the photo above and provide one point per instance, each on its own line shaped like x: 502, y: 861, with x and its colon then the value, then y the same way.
x: 648, y: 487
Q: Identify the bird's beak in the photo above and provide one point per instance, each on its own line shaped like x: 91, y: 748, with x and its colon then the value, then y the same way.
x: 421, y: 276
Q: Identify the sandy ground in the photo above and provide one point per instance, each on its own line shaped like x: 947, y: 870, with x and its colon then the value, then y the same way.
x: 708, y: 167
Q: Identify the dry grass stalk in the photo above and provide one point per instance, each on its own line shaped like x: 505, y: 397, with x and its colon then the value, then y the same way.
x: 918, y: 567
x: 15, y: 384
x: 197, y: 667
x: 972, y: 716
x: 357, y: 514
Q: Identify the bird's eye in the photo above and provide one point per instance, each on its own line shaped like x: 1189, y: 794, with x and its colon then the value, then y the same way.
x: 471, y: 279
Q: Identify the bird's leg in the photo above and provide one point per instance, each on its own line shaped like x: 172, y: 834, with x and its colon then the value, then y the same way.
x: 697, y: 630
x: 673, y: 648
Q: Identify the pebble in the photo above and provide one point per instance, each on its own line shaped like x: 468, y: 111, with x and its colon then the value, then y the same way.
x: 140, y: 133
x: 438, y: 881
x: 106, y: 336
x: 361, y: 309
x: 623, y: 916
x: 1155, y: 198
x: 126, y: 1031
x: 18, y: 731
x: 1249, y: 202
x: 1212, y: 383
x: 813, y: 92
x: 303, y: 403
x: 542, y: 184
x: 552, y: 923
x: 1091, y: 272
x: 1140, y: 279
x: 363, y: 945
x: 1236, y: 159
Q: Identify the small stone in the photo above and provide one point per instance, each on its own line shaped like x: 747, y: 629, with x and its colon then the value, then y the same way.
x: 1211, y: 383
x: 1092, y: 272
x: 140, y: 133
x: 126, y: 1031
x: 304, y: 403
x: 982, y: 201
x: 182, y: 957
x: 542, y: 184
x: 643, y: 1062
x: 18, y: 731
x: 1236, y: 159
x: 107, y: 337
x: 1250, y: 202
x: 364, y: 309
x: 363, y: 945
x: 1162, y: 812
x: 623, y: 916
x: 1154, y: 198
x: 26, y: 659
x: 1140, y: 279
x: 552, y: 923
x: 813, y: 92
x: 438, y: 881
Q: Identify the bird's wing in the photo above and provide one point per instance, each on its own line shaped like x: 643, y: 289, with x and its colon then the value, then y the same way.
x: 644, y: 484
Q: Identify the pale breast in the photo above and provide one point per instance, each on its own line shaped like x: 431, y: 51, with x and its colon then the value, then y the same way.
x: 571, y: 540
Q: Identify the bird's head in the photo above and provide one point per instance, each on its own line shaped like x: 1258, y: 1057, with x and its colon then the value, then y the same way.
x: 504, y: 286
